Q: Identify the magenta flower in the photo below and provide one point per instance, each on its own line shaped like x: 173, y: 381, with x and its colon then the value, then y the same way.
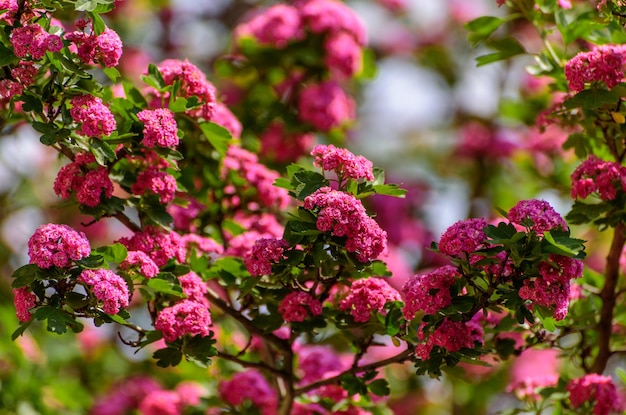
x: 543, y: 216
x: 451, y: 336
x: 603, y: 63
x: 160, y: 128
x: 344, y: 56
x: 33, y: 40
x: 224, y: 117
x: 317, y: 361
x: 595, y: 175
x: 598, y: 389
x: 184, y: 317
x: 331, y: 16
x: 108, y: 287
x: 298, y: 305
x: 325, y: 106
x: 24, y: 299
x: 429, y: 292
x: 275, y: 26
x: 157, y: 182
x: 95, y: 117
x: 147, y: 267
x: 57, y: 245
x: 367, y: 296
x: 284, y: 146
x: 249, y: 385
x: 464, y: 237
x: 264, y: 253
x: 342, y: 162
x: 89, y: 187
x: 194, y: 287
x: 160, y: 245
x: 161, y: 402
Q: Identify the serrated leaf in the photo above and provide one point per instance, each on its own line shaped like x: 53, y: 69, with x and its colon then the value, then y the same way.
x: 25, y: 275
x: 113, y: 253
x: 161, y: 285
x: 168, y: 357
x: 379, y: 387
x: 591, y: 99
x: 481, y: 28
x: 112, y: 73
x: 102, y: 151
x: 506, y: 48
x: 218, y: 136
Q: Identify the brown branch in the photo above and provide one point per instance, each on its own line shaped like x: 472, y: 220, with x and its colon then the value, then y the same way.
x: 611, y: 275
x: 399, y: 358
x: 245, y: 363
x: 288, y: 386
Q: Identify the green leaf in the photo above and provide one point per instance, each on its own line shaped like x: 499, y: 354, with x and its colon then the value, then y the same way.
x: 134, y: 95
x: 102, y: 151
x: 481, y: 28
x: 379, y: 387
x: 156, y: 76
x: 168, y: 357
x: 76, y: 300
x: 113, y: 253
x: 390, y: 190
x: 20, y: 330
x: 178, y: 105
x: 7, y: 57
x: 25, y: 275
x: 93, y: 5
x: 506, y: 48
x: 306, y: 182
x: 559, y: 242
x: 591, y: 99
x: 218, y: 136
x: 92, y: 262
x: 112, y: 73
x: 200, y: 350
x: 58, y: 321
x: 165, y: 284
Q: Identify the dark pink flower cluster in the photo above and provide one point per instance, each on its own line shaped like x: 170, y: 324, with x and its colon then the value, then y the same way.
x: 551, y: 288
x: 344, y: 215
x: 95, y: 117
x: 84, y: 178
x: 317, y: 361
x: 595, y: 388
x: 264, y: 253
x: 194, y: 287
x: 57, y: 245
x: 604, y: 63
x: 161, y: 402
x: 527, y: 388
x: 275, y: 26
x: 342, y: 162
x: 249, y: 385
x: 157, y: 182
x: 429, y: 292
x: 331, y: 16
x: 284, y: 146
x: 160, y: 245
x: 367, y: 296
x: 182, y: 318
x: 193, y: 83
x: 344, y: 56
x: 160, y: 128
x: 24, y: 299
x: 298, y: 305
x: 451, y: 336
x: 599, y: 176
x: 543, y: 216
x: 463, y: 237
x: 147, y: 267
x: 257, y: 175
x: 104, y: 49
x: 22, y: 76
x: 124, y: 396
x: 108, y: 287
x: 325, y: 106
x: 202, y: 244
x: 33, y: 40
x: 10, y: 7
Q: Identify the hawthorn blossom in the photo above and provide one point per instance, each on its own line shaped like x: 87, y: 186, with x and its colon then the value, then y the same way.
x: 104, y: 49
x: 542, y: 216
x: 23, y: 76
x: 527, y: 388
x: 317, y: 361
x: 194, y: 287
x: 124, y: 396
x: 95, y: 117
x: 202, y: 244
x: 264, y: 253
x: 450, y: 335
x: 284, y: 146
x: 223, y: 116
x: 342, y: 162
x: 325, y: 106
x: 147, y: 267
x: 275, y: 26
x: 604, y: 63
x: 332, y: 16
x: 57, y: 245
x: 153, y: 181
x: 367, y: 296
x: 343, y: 215
x: 552, y: 287
x: 597, y: 389
x: 298, y: 305
x: 160, y: 128
x: 595, y: 175
x: 82, y: 177
x: 33, y: 40
x: 160, y: 245
x: 185, y: 317
x: 249, y: 385
x: 23, y: 300
x: 463, y: 237
x: 161, y: 402
x: 108, y: 287
x: 344, y: 56
x: 429, y: 292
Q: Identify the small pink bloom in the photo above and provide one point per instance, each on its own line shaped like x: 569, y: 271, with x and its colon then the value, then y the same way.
x: 184, y: 317
x: 451, y: 336
x: 464, y: 237
x: 147, y: 267
x: 160, y: 128
x: 541, y: 215
x: 160, y: 245
x: 604, y: 63
x: 342, y: 162
x: 275, y: 26
x: 331, y: 16
x: 33, y: 40
x: 57, y: 245
x: 429, y: 292
x: 344, y: 56
x: 153, y: 181
x: 298, y: 305
x: 104, y: 49
x: 24, y: 300
x: 263, y: 254
x: 249, y: 385
x: 598, y: 389
x: 95, y: 117
x: 161, y: 402
x: 108, y: 287
x: 368, y: 296
x: 325, y: 106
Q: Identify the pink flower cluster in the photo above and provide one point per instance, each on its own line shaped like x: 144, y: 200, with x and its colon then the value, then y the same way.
x: 108, y: 287
x: 147, y: 267
x: 599, y: 176
x: 325, y: 106
x: 202, y: 244
x: 22, y: 77
x: 160, y: 128
x: 451, y: 336
x: 95, y: 117
x: 257, y: 175
x: 104, y: 49
x: 193, y: 83
x: 157, y: 182
x: 182, y: 318
x: 263, y: 254
x: 284, y: 146
x: 298, y: 305
x: 463, y: 237
x: 342, y: 162
x: 604, y: 63
x: 317, y: 361
x: 276, y: 26
x: 249, y: 385
x: 84, y: 178
x: 124, y: 396
x: 367, y: 296
x: 57, y: 245
x: 595, y: 388
x: 429, y: 292
x: 223, y: 116
x: 551, y: 288
x: 24, y: 300
x: 343, y: 215
x: 33, y: 40
x: 160, y: 245
x: 543, y: 216
x: 194, y: 287
x: 527, y: 388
